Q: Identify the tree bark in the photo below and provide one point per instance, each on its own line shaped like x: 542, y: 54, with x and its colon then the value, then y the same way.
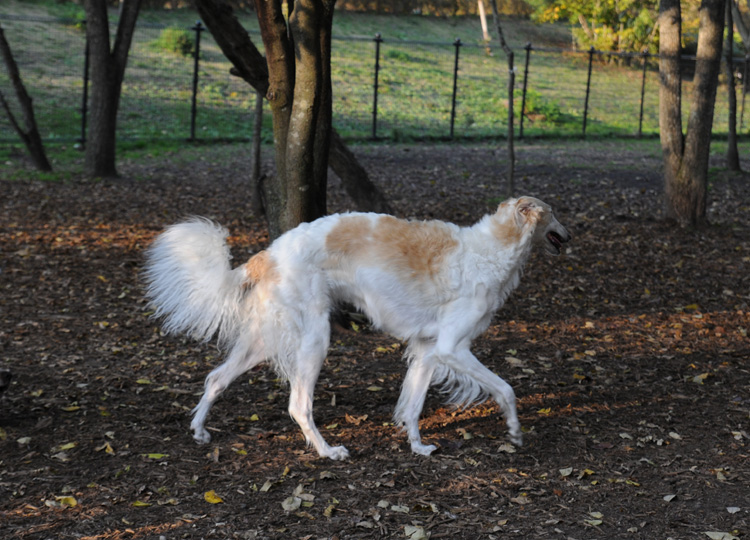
x: 686, y: 157
x: 107, y: 71
x: 30, y: 136
x: 733, y: 157
x: 256, y: 198
x: 274, y: 79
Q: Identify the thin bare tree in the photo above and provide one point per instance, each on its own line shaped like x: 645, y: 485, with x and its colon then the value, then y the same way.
x: 510, y: 185
x: 30, y: 133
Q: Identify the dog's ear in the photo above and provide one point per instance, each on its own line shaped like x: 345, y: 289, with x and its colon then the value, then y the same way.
x: 525, y: 211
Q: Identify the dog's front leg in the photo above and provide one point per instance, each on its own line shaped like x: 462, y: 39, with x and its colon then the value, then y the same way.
x: 410, y: 402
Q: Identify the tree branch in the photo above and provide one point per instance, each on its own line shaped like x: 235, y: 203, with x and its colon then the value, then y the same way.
x: 30, y: 137
x: 739, y: 23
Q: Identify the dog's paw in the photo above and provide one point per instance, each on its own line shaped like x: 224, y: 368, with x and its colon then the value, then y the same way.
x: 516, y: 439
x: 336, y: 453
x: 422, y: 449
x: 201, y: 436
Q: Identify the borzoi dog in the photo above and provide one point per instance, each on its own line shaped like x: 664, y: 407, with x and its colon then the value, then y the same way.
x: 432, y: 284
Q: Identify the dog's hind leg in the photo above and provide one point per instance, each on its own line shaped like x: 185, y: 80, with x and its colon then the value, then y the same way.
x: 464, y: 363
x: 410, y: 402
x: 308, y: 360
x: 238, y: 362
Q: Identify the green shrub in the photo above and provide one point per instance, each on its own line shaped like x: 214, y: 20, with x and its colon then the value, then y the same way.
x: 537, y: 107
x: 176, y: 40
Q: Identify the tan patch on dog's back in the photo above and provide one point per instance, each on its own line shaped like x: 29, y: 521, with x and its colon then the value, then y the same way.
x: 260, y: 267
x: 350, y: 236
x: 418, y: 248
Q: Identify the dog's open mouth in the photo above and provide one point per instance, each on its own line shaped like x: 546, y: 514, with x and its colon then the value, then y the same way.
x: 556, y: 240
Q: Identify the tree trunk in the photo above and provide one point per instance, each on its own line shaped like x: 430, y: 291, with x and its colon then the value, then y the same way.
x: 30, y: 136
x: 483, y: 21
x: 107, y: 71
x: 733, y: 157
x: 256, y: 198
x: 275, y: 79
x: 686, y: 157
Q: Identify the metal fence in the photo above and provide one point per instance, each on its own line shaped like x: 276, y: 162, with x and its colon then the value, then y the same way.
x: 383, y: 88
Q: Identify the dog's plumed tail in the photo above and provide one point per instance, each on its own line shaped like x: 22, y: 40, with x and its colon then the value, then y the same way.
x: 190, y: 281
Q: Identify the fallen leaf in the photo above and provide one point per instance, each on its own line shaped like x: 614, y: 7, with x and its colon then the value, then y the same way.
x: 141, y: 504
x: 700, y: 378
x: 400, y: 508
x: 212, y: 498
x: 669, y: 498
x: 515, y: 362
x: 155, y: 456
x: 415, y: 533
x: 63, y: 447
x: 716, y: 535
x: 266, y: 486
x: 733, y: 509
x: 291, y: 503
x: 507, y: 448
x: 567, y: 471
x: 67, y: 500
x: 356, y: 420
x: 374, y: 388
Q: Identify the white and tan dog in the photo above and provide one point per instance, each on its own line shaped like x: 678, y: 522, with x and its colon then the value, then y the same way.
x: 432, y: 284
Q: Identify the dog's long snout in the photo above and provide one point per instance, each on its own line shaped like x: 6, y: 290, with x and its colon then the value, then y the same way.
x: 565, y: 235
x: 556, y: 236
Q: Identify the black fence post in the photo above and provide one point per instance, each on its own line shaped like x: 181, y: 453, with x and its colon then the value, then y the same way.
x: 378, y: 40
x: 457, y: 45
x: 528, y: 48
x: 85, y: 101
x: 588, y: 90
x: 198, y: 28
x: 643, y: 93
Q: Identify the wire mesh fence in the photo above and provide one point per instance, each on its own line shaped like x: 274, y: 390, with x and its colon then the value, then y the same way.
x: 383, y: 88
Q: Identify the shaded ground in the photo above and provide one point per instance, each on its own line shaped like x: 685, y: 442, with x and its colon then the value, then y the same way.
x: 629, y: 355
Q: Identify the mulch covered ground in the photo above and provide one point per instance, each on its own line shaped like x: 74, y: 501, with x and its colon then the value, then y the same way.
x: 629, y: 355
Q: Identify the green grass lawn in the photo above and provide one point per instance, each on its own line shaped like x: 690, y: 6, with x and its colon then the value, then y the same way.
x: 415, y: 82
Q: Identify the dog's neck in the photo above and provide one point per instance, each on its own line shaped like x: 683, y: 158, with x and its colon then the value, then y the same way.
x: 498, y: 237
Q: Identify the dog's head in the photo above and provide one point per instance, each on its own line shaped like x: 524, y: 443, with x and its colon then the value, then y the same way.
x: 535, y: 217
